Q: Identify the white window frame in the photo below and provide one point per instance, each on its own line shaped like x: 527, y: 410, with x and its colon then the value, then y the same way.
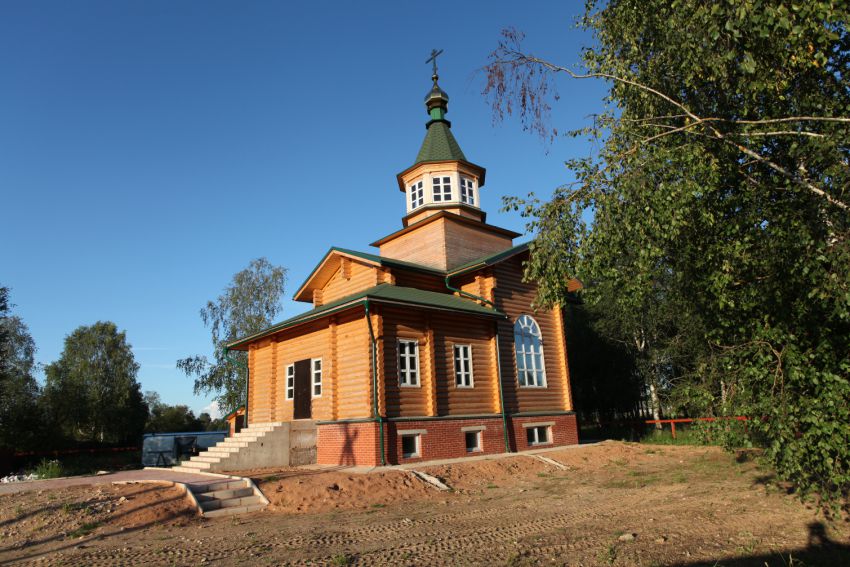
x: 479, y: 441
x: 315, y: 377
x: 404, y: 377
x: 290, y: 381
x: 417, y: 195
x: 463, y: 378
x: 467, y: 190
x: 528, y: 348
x: 417, y: 439
x: 441, y: 188
x: 536, y: 427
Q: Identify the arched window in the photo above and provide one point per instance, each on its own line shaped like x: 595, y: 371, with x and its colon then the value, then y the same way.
x: 528, y: 343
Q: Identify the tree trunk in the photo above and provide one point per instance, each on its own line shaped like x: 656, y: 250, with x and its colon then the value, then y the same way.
x: 655, y: 403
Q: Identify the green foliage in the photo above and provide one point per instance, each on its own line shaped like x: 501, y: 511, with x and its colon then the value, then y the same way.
x: 248, y: 305
x: 92, y: 391
x: 163, y: 418
x: 719, y: 243
x: 19, y: 412
x: 47, y: 468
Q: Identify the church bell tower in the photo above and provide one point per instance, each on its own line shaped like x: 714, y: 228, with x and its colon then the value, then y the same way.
x: 444, y: 225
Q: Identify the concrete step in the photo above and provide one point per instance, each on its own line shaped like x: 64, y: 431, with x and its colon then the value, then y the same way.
x: 218, y: 485
x: 224, y: 494
x: 259, y: 428
x: 222, y: 452
x: 232, y: 444
x: 247, y: 438
x: 230, y: 503
x: 204, y: 458
x: 233, y: 511
x: 193, y: 466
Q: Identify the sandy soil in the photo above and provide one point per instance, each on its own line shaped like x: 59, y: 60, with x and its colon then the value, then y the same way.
x: 616, y: 504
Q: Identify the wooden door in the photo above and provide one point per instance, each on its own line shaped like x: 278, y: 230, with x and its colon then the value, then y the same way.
x: 301, y: 401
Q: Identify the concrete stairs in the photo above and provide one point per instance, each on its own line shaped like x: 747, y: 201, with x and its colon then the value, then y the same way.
x: 257, y: 446
x: 227, y: 497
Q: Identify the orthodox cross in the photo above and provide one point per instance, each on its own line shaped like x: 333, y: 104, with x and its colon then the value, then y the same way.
x: 433, y: 59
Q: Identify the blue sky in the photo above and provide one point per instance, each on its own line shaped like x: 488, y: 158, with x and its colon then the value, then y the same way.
x: 150, y: 150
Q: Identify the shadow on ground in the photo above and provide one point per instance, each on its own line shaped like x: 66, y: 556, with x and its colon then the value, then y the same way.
x: 820, y: 551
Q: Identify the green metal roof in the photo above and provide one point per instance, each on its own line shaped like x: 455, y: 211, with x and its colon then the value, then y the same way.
x: 439, y: 144
x: 488, y: 260
x: 383, y: 293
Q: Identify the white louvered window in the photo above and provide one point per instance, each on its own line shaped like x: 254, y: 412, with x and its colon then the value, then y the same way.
x: 408, y: 363
x: 442, y: 188
x: 417, y: 195
x: 463, y: 366
x: 467, y: 190
x: 528, y: 344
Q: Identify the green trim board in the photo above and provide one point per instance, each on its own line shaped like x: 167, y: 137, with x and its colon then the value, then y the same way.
x: 383, y: 293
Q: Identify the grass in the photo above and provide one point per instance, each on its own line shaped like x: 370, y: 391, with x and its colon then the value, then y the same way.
x: 47, y: 469
x: 665, y: 437
x: 85, y: 529
x: 340, y: 560
x: 85, y: 464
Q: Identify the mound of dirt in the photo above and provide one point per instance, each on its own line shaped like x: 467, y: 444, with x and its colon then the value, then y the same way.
x: 48, y: 517
x: 325, y: 491
x: 148, y: 504
x: 478, y: 475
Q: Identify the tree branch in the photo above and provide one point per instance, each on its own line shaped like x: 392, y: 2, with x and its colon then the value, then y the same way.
x: 801, y: 181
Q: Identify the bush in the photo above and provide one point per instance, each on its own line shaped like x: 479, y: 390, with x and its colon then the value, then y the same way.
x: 47, y: 469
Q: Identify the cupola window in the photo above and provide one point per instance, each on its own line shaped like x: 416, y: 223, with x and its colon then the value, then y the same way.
x: 442, y: 189
x: 467, y: 190
x: 417, y: 195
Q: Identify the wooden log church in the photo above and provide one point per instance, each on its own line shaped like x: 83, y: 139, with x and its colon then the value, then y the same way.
x: 430, y: 348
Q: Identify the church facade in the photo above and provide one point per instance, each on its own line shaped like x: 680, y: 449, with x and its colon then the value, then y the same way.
x: 429, y: 349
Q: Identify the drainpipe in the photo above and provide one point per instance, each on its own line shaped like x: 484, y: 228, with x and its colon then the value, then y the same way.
x: 501, y: 395
x: 244, y: 365
x: 473, y: 296
x: 374, y: 353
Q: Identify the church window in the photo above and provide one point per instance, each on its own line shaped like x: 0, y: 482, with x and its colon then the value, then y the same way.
x: 528, y: 344
x: 467, y: 190
x: 290, y: 382
x: 463, y: 366
x: 317, y: 377
x: 442, y: 188
x: 417, y: 195
x: 408, y: 362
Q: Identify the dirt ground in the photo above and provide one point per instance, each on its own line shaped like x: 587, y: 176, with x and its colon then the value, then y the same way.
x: 615, y: 504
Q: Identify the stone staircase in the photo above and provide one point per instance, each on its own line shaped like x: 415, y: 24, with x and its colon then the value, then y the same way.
x: 228, y: 497
x: 257, y: 446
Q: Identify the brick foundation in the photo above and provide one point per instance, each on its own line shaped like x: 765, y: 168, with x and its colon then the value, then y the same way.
x: 347, y: 444
x: 564, y: 430
x: 357, y: 443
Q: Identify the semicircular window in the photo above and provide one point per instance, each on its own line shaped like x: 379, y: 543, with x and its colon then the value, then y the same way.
x: 528, y: 343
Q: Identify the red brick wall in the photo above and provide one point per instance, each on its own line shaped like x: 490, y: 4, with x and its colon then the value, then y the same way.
x: 444, y: 439
x: 347, y: 444
x: 564, y: 431
x: 358, y: 443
